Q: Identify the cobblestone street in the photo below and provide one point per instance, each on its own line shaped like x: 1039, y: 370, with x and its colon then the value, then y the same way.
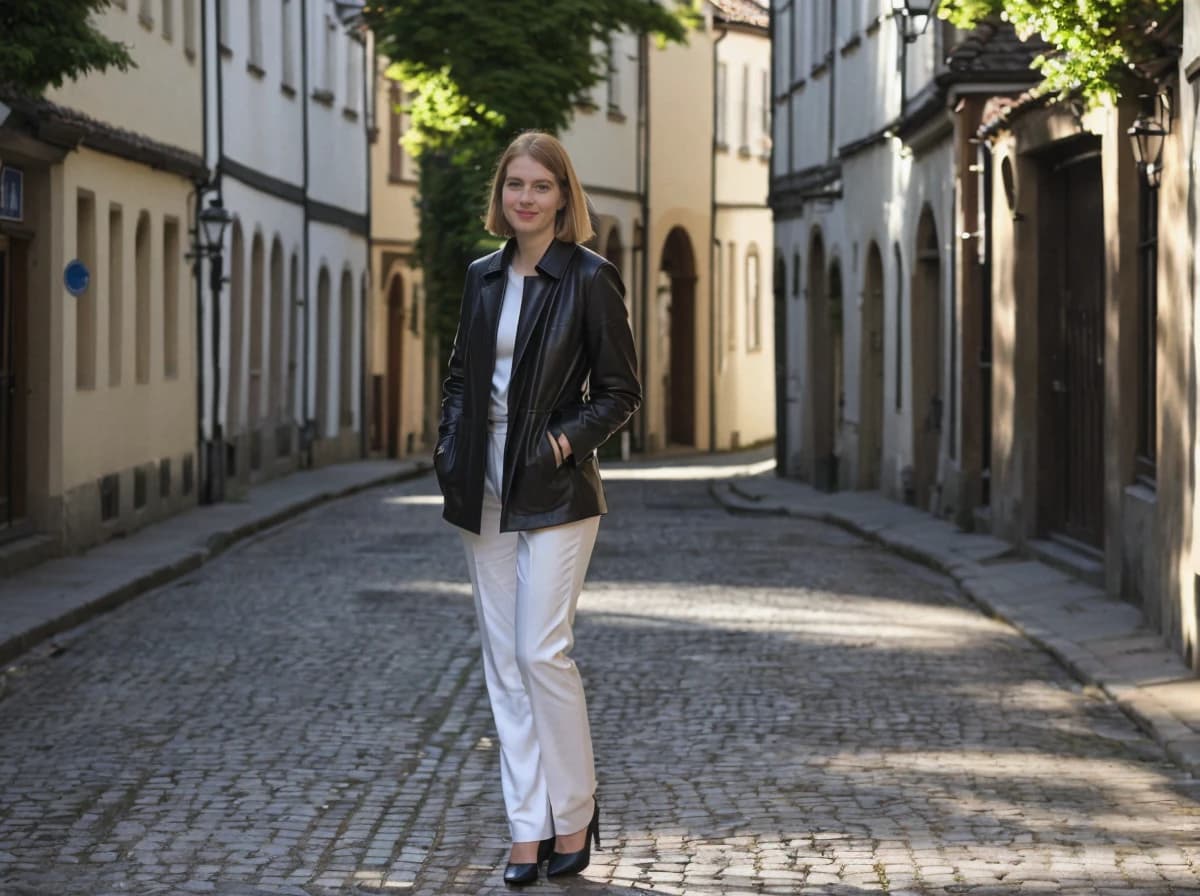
x: 778, y: 708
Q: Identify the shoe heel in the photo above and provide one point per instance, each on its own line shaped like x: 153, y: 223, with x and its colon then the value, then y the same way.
x: 595, y: 826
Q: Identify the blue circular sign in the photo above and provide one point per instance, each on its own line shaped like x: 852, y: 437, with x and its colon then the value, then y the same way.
x: 76, y: 276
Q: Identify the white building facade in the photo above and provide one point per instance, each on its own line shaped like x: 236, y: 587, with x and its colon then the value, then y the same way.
x: 287, y: 114
x: 869, y: 133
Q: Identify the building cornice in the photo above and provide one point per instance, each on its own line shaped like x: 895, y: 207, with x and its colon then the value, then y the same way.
x: 68, y: 129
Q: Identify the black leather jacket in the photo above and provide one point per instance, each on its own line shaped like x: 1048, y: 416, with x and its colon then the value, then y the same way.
x: 574, y: 371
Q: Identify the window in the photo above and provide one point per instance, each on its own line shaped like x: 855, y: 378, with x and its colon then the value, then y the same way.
x: 722, y: 83
x: 330, y: 53
x: 719, y: 280
x: 614, y: 81
x: 731, y: 305
x: 141, y: 251
x: 223, y: 24
x: 85, y: 302
x: 395, y: 132
x: 815, y: 52
x: 170, y: 298
x: 146, y: 13
x: 765, y: 113
x: 116, y: 292
x: 753, y: 302
x: 288, y: 73
x: 796, y: 274
x: 744, y: 123
x: 353, y: 75
x: 168, y: 19
x: 189, y: 28
x: 254, y: 54
x: 1147, y: 443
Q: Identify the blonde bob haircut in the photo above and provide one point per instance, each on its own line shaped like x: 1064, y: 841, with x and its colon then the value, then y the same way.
x: 573, y: 224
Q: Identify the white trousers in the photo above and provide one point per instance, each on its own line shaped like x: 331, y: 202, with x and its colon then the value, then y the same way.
x: 526, y: 586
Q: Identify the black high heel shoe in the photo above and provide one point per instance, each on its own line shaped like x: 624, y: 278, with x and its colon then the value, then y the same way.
x: 562, y: 864
x: 518, y: 874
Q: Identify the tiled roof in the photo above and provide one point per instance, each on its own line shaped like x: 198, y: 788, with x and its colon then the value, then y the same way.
x: 66, y: 127
x: 742, y: 12
x: 993, y: 47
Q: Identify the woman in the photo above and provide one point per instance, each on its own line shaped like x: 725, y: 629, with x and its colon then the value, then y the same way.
x: 542, y: 372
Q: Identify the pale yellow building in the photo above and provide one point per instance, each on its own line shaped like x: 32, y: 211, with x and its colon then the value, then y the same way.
x: 100, y: 426
x: 673, y: 150
x: 400, y: 370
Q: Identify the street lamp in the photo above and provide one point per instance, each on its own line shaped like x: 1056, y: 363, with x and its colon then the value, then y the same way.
x: 1147, y: 135
x: 349, y: 12
x: 212, y: 223
x: 912, y: 17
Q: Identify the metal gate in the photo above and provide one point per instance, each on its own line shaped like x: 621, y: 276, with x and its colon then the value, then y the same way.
x: 1077, y: 366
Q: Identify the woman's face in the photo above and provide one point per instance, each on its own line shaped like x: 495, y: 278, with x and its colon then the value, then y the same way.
x: 531, y: 198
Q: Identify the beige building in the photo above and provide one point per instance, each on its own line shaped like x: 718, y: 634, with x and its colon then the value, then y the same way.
x: 99, y: 421
x: 1090, y: 267
x: 673, y: 151
x: 401, y: 368
x: 689, y: 230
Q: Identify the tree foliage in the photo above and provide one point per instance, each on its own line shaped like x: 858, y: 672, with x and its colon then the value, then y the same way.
x: 1098, y: 47
x: 477, y: 74
x: 46, y: 42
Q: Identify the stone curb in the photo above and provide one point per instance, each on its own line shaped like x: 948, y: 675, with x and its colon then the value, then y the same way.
x: 215, y: 544
x: 1180, y: 742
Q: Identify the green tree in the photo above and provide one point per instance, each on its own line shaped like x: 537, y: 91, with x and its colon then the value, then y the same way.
x: 477, y: 74
x: 1097, y: 47
x: 43, y: 43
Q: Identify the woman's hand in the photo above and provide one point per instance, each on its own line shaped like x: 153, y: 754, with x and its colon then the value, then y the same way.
x: 561, y: 446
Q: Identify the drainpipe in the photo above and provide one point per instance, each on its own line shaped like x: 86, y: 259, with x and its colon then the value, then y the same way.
x: 198, y: 264
x: 644, y: 188
x: 306, y: 427
x: 216, y: 468
x: 712, y: 259
x: 368, y: 118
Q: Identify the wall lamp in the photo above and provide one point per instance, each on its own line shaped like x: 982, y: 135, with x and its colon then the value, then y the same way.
x: 912, y: 17
x: 1148, y: 134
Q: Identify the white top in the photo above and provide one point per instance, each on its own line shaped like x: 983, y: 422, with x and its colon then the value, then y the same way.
x: 506, y: 341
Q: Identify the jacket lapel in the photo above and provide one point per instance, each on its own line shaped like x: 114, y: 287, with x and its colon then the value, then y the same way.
x: 491, y: 294
x: 540, y: 293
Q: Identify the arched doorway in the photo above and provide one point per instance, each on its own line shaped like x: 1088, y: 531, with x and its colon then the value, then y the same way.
x: 613, y: 250
x: 679, y: 266
x: 255, y: 365
x: 395, y: 363
x: 870, y: 410
x: 346, y: 353
x: 323, y: 385
x: 837, y: 373
x: 822, y: 385
x: 237, y: 313
x: 926, y: 354
x: 779, y: 298
x: 275, y: 359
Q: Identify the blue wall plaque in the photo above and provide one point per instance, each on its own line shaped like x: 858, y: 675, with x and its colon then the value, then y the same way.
x: 76, y: 276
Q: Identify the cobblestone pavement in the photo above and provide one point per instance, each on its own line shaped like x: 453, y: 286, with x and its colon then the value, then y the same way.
x: 778, y: 708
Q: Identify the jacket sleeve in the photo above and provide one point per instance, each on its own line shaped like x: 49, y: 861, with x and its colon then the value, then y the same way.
x: 614, y: 390
x: 453, y: 386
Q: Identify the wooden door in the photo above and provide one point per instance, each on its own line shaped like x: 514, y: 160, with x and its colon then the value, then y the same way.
x: 1077, y: 363
x: 395, y: 365
x: 682, y: 422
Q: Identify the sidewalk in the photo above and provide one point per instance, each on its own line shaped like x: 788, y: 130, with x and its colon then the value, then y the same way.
x: 1101, y: 640
x: 63, y: 592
